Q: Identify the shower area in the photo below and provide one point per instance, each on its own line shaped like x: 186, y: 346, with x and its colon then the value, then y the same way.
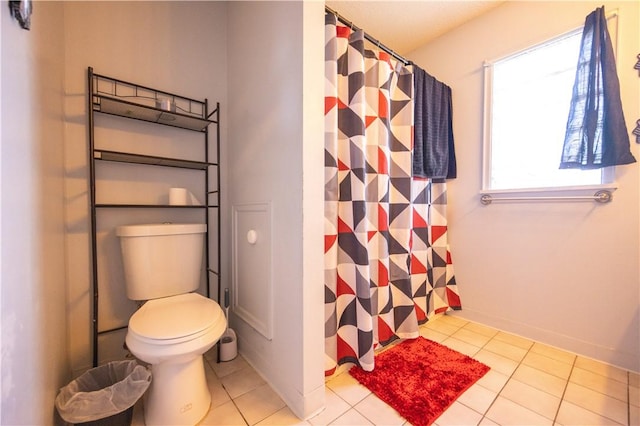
x: 389, y: 149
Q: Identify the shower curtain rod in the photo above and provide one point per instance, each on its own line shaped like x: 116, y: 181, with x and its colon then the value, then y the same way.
x: 367, y: 36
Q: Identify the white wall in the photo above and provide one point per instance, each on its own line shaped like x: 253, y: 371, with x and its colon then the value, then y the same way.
x: 34, y: 346
x: 312, y: 315
x: 178, y: 47
x: 274, y: 155
x: 563, y: 273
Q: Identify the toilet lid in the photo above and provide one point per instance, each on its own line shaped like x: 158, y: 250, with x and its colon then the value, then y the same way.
x: 176, y: 316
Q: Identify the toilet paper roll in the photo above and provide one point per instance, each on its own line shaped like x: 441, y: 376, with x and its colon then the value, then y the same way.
x: 179, y: 197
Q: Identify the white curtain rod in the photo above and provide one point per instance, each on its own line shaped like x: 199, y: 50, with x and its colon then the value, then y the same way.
x: 602, y: 196
x: 367, y: 36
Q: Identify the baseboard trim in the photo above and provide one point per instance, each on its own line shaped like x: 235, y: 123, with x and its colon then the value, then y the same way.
x: 582, y: 348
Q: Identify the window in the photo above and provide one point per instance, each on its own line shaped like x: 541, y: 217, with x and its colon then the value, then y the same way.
x: 527, y: 99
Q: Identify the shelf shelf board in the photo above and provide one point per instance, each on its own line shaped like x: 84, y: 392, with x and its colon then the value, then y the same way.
x: 111, y: 330
x: 125, y: 157
x: 120, y: 107
x: 151, y: 206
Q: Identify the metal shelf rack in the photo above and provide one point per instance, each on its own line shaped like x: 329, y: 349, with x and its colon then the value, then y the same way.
x: 132, y: 101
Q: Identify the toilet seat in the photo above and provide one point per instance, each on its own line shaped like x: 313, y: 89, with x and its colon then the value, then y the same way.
x: 175, y: 319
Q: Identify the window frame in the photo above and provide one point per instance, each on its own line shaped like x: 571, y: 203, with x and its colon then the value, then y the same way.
x: 607, y: 173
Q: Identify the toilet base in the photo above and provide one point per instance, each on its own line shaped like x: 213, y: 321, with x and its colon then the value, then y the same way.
x: 178, y: 394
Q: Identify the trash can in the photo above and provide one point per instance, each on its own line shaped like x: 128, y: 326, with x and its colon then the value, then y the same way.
x: 104, y: 395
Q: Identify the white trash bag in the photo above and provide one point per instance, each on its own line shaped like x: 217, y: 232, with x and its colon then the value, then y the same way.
x: 103, y: 391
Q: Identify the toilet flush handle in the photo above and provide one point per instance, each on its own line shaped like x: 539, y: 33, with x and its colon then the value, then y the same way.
x: 252, y: 237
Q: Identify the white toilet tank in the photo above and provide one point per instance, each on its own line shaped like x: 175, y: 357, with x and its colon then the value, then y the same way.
x: 161, y: 259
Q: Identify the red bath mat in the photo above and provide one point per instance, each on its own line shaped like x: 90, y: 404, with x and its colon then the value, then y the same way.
x: 420, y: 379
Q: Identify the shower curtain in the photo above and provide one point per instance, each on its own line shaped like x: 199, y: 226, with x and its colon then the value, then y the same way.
x: 387, y: 266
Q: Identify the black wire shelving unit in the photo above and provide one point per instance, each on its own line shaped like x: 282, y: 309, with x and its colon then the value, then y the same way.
x: 128, y: 100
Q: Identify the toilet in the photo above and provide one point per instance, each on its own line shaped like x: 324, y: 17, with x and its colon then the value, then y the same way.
x: 175, y: 326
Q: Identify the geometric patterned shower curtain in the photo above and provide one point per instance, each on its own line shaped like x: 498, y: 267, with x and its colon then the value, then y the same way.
x: 387, y: 266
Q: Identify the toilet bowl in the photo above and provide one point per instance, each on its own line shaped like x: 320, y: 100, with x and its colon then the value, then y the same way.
x: 175, y: 326
x: 172, y: 334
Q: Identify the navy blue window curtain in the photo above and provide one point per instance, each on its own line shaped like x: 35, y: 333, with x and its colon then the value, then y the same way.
x: 596, y: 134
x: 434, y: 155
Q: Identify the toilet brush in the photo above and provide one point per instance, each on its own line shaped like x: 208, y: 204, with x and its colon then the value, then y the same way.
x: 228, y: 342
x: 226, y: 337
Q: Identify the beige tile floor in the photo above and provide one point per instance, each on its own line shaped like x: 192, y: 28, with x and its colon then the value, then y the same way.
x: 529, y: 384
